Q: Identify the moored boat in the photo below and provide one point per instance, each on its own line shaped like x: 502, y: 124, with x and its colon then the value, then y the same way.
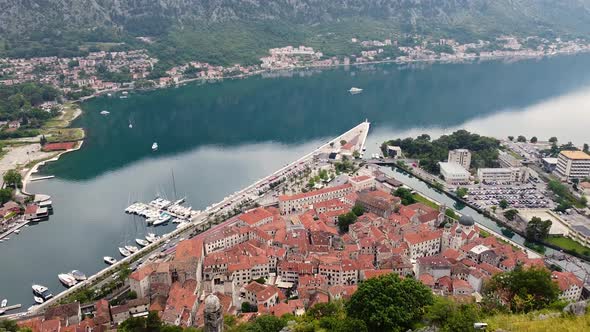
x: 109, y: 260
x: 154, y: 146
x: 124, y: 252
x: 78, y: 275
x: 38, y: 299
x: 4, y: 303
x: 42, y: 292
x: 141, y: 242
x: 67, y: 280
x: 132, y: 249
x: 354, y: 90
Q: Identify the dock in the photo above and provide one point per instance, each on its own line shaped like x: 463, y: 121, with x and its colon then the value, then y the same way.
x: 10, y: 307
x: 42, y: 178
x: 16, y: 227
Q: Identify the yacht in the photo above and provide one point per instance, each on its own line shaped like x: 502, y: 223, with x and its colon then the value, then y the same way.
x: 105, y: 112
x: 4, y: 303
x: 354, y: 90
x: 124, y: 252
x: 154, y: 146
x: 42, y: 292
x: 141, y: 242
x: 132, y: 249
x: 67, y: 280
x: 78, y: 275
x: 109, y: 260
x: 151, y: 237
x: 38, y: 299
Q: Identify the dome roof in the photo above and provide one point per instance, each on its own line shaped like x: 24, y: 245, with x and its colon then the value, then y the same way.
x: 212, y: 303
x: 466, y: 220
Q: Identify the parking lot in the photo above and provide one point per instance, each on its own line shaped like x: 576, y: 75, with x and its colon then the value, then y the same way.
x: 518, y: 197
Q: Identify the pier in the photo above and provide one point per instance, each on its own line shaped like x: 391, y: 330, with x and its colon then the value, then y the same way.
x: 41, y: 178
x: 9, y: 308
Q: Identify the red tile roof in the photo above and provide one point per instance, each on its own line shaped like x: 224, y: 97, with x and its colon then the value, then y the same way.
x: 254, y: 216
x: 59, y: 146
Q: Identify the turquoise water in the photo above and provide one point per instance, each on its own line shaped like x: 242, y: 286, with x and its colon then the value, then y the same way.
x: 220, y: 137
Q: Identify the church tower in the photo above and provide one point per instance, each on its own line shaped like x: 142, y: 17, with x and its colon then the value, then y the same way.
x: 213, y: 314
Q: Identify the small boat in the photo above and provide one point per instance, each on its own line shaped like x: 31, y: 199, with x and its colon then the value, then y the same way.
x: 142, y: 243
x: 16, y: 231
x: 105, y: 112
x: 125, y: 93
x: 354, y: 90
x: 4, y: 303
x: 67, y: 280
x: 38, y: 300
x: 109, y: 260
x: 150, y: 237
x: 109, y: 94
x: 132, y: 249
x: 124, y: 252
x: 78, y: 275
x: 154, y: 146
x: 130, y: 126
x: 42, y: 292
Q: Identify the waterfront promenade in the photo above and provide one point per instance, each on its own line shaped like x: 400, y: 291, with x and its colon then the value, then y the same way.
x: 204, y: 219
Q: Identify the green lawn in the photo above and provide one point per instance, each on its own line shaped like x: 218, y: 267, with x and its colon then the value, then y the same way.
x: 425, y: 201
x: 567, y: 243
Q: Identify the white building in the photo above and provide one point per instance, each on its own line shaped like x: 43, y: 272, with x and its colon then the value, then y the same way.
x: 503, y: 175
x: 295, y: 203
x: 569, y: 285
x: 573, y: 165
x: 461, y: 157
x: 454, y: 173
x: 363, y: 182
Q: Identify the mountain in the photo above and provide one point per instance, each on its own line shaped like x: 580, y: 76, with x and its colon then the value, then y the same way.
x: 140, y: 16
x: 29, y: 27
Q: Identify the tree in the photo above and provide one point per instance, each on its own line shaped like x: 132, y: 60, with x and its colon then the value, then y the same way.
x: 510, y: 214
x: 462, y: 192
x: 43, y: 140
x: 5, y: 195
x: 358, y: 210
x: 343, y: 142
x: 247, y: 307
x: 356, y: 154
x: 511, y: 138
x: 450, y: 316
x: 523, y: 290
x: 553, y: 139
x: 537, y: 229
x: 406, y: 195
x: 345, y: 220
x: 388, y: 303
x: 13, y: 178
x: 585, y: 148
x: 267, y: 323
x: 503, y: 204
x: 521, y: 139
x: 534, y: 139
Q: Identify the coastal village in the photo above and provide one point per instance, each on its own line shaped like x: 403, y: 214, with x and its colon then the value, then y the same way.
x: 311, y: 246
x: 102, y: 71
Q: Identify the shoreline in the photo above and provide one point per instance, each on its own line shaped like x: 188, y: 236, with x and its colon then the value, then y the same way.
x: 465, y: 60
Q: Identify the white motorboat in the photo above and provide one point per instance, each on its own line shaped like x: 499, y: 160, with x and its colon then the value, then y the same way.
x: 4, y: 303
x: 16, y: 231
x: 132, y: 249
x: 78, y: 275
x: 354, y: 90
x: 67, y: 280
x: 38, y: 300
x: 105, y: 112
x: 109, y: 260
x: 42, y: 292
x: 154, y: 146
x: 124, y: 252
x: 130, y: 126
x: 142, y: 243
x: 150, y: 237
